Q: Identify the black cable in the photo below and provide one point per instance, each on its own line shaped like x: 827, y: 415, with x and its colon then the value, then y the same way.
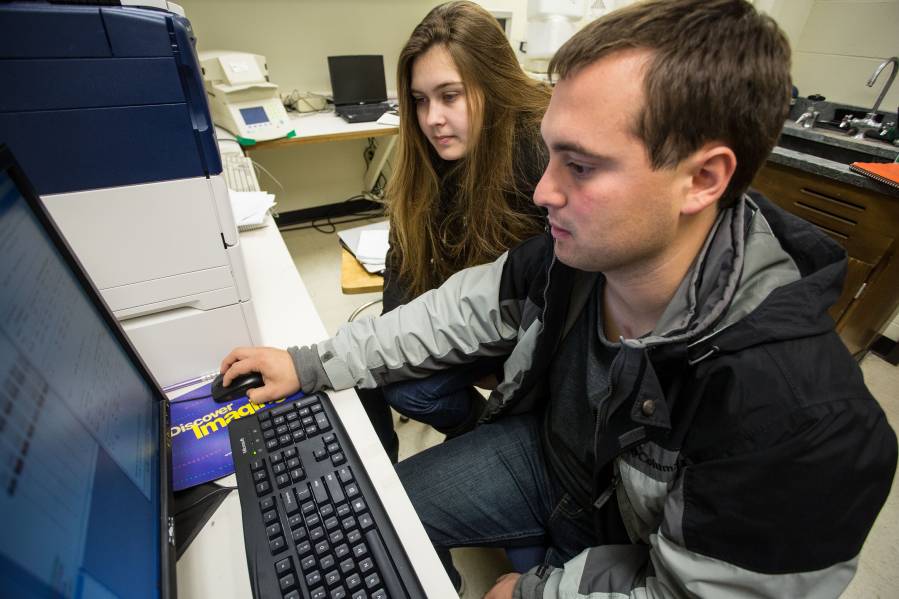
x: 203, y: 498
x: 190, y: 399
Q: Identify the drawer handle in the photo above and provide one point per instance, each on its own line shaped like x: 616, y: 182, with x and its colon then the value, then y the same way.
x: 827, y: 198
x: 817, y: 210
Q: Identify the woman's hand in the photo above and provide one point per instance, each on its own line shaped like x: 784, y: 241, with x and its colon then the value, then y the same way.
x: 275, y: 366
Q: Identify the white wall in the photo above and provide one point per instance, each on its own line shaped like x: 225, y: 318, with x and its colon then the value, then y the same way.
x: 839, y: 45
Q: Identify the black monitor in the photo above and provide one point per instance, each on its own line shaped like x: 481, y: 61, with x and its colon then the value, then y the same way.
x: 357, y: 79
x: 84, y: 464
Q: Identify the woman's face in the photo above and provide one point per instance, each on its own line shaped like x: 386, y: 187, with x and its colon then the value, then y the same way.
x: 440, y: 102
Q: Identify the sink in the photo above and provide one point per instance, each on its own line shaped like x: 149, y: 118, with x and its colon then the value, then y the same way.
x: 827, y: 151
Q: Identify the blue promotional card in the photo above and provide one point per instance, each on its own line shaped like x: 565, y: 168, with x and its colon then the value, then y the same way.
x: 201, y: 449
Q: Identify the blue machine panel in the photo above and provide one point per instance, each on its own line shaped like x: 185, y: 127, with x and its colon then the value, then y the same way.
x: 102, y: 97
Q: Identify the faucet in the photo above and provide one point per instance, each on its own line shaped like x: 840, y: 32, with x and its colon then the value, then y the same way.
x: 868, y: 123
x: 808, y: 118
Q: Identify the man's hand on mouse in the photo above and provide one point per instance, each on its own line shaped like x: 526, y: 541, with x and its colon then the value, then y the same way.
x: 275, y: 366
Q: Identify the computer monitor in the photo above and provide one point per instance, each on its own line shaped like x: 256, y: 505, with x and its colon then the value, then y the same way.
x: 357, y: 79
x: 84, y: 465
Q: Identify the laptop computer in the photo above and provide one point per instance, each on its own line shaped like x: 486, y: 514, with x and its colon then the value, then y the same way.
x: 358, y: 87
x: 86, y: 498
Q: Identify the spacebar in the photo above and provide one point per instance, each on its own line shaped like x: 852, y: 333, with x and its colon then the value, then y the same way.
x: 385, y: 564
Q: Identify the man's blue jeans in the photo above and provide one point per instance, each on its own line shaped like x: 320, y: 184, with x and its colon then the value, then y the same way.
x: 490, y: 488
x: 443, y: 399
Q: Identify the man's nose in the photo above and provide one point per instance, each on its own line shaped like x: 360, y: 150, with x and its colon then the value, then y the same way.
x: 547, y: 192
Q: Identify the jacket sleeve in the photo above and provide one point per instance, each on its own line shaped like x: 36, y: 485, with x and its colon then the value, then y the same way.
x: 782, y: 511
x: 456, y: 323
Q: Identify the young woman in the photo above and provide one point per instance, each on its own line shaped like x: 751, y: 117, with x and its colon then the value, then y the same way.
x: 469, y: 158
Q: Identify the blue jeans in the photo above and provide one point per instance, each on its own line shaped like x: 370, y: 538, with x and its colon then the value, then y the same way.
x: 443, y: 399
x: 490, y: 488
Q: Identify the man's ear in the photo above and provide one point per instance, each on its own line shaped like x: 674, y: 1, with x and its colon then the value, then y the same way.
x: 710, y: 169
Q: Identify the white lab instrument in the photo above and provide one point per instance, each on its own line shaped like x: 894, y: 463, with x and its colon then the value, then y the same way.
x: 241, y: 97
x: 550, y: 24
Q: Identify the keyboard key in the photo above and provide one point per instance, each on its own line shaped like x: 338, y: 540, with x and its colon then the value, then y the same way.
x: 276, y: 457
x: 285, y: 439
x: 281, y: 430
x: 360, y: 595
x: 345, y: 475
x: 366, y: 565
x: 291, y: 416
x: 277, y: 545
x: 282, y: 480
x: 333, y: 578
x: 342, y: 550
x: 295, y: 521
x: 298, y: 535
x: 269, y: 434
x: 257, y: 464
x: 313, y: 520
x: 316, y: 407
x: 360, y: 551
x: 318, y: 593
x: 331, y: 523
x: 326, y: 510
x: 278, y: 420
x: 287, y: 582
x: 334, y: 488
x: 293, y: 463
x: 372, y: 581
x: 348, y: 523
x: 338, y: 593
x: 271, y: 444
x: 282, y: 409
x: 283, y: 566
x: 303, y: 549
x: 335, y: 537
x: 332, y: 447
x: 321, y: 421
x: 267, y: 503
x: 290, y: 502
x: 303, y: 493
x: 379, y: 594
x: 352, y: 490
x: 321, y: 548
x: 290, y: 453
x: 298, y: 435
x: 365, y: 521
x: 347, y: 566
x: 280, y: 468
x: 316, y: 534
x: 259, y: 476
x: 359, y: 505
x: 318, y: 491
x: 293, y: 595
x: 297, y: 475
x: 320, y: 454
x: 311, y: 430
x: 308, y: 563
x: 263, y: 488
x: 343, y: 511
x: 308, y: 508
x: 354, y: 536
x: 264, y: 415
x: 313, y: 578
x: 273, y: 530
x: 329, y: 438
x: 269, y: 517
x: 353, y: 581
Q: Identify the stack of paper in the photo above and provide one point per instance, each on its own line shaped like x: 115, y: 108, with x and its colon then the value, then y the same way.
x: 250, y: 208
x: 372, y: 249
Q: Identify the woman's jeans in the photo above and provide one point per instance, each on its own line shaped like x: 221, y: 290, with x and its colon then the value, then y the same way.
x: 443, y: 399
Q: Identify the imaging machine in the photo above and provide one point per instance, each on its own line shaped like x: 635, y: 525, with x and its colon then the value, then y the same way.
x: 107, y: 114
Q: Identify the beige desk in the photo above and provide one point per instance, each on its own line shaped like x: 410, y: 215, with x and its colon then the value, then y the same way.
x: 354, y: 278
x: 323, y: 127
x: 215, y: 565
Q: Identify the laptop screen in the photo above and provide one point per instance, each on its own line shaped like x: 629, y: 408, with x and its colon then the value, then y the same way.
x: 80, y: 461
x: 357, y: 79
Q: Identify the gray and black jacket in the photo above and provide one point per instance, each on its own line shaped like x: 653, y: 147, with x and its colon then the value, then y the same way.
x: 739, y: 443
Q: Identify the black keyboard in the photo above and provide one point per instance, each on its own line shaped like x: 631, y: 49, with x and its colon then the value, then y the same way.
x: 312, y: 522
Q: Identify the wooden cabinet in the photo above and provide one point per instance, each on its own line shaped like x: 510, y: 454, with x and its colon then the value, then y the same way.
x: 864, y: 222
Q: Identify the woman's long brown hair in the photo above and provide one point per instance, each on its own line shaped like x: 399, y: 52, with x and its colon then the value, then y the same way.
x: 505, y: 107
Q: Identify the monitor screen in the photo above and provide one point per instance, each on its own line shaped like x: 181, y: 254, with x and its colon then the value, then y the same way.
x: 80, y: 498
x: 357, y: 79
x: 254, y: 115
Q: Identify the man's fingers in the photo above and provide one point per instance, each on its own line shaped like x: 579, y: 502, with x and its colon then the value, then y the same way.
x: 236, y: 354
x: 238, y: 368
x: 262, y: 394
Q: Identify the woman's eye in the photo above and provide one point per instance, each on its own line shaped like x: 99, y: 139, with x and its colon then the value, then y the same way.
x: 449, y: 98
x: 418, y: 99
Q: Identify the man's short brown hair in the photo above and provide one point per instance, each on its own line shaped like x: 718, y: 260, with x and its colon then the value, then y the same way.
x: 719, y: 71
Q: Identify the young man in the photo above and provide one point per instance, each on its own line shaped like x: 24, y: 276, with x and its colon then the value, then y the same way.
x: 677, y: 417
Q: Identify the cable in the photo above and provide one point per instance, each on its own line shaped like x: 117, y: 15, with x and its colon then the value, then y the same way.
x: 171, y: 401
x: 203, y: 498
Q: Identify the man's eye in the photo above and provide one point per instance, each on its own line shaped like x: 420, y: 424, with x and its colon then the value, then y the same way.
x: 579, y: 169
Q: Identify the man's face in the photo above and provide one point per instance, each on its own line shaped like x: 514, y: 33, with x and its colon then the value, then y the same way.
x: 608, y: 209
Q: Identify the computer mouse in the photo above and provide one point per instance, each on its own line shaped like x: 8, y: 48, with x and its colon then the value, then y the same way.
x: 238, y: 387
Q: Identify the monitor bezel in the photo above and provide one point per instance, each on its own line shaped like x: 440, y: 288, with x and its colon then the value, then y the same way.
x: 167, y: 558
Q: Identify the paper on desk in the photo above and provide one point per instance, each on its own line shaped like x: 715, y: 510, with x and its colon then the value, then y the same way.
x: 372, y: 246
x: 250, y: 207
